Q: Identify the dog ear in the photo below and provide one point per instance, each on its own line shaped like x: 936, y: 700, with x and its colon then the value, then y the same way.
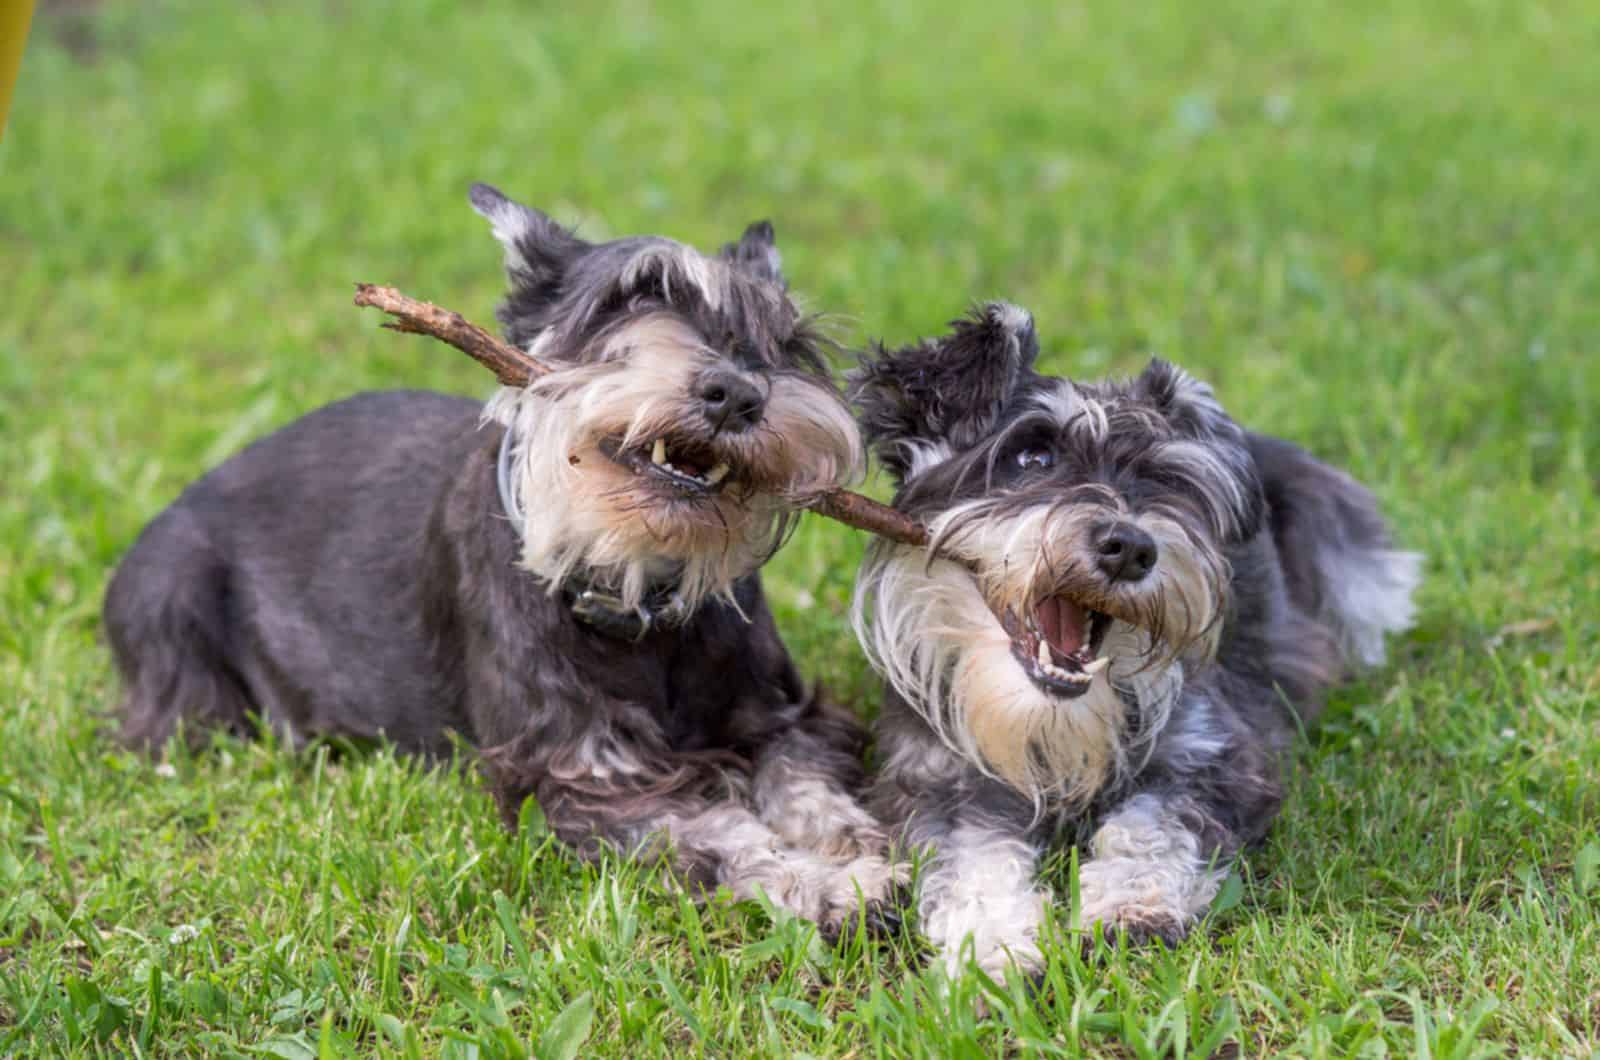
x: 1211, y: 450
x: 757, y: 252
x: 943, y: 395
x: 538, y: 250
x: 1187, y: 403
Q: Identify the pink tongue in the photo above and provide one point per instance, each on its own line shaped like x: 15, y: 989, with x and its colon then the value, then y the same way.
x: 1063, y: 624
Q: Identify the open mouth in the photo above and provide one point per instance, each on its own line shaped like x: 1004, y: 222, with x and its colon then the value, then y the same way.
x: 1058, y: 644
x: 684, y: 466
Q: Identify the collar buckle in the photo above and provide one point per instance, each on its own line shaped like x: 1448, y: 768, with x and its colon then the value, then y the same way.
x: 611, y: 616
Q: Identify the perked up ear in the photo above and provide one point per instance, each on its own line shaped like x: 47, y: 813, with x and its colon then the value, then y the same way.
x: 1210, y: 450
x: 1188, y: 404
x: 538, y: 249
x: 757, y: 252
x: 946, y: 393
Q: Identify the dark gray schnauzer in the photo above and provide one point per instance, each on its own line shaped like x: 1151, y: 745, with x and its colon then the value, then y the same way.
x: 1134, y: 600
x: 568, y: 579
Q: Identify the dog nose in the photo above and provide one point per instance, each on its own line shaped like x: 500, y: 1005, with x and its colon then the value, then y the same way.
x: 1127, y: 553
x: 730, y: 401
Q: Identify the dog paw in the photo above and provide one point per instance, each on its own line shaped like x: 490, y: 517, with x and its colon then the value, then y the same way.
x: 966, y: 939
x: 863, y: 888
x: 1137, y: 906
x: 874, y: 920
x: 834, y: 827
x: 853, y: 842
x: 828, y: 893
x: 1136, y: 927
x: 1021, y: 954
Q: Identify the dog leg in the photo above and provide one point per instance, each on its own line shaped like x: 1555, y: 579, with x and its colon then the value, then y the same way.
x: 978, y: 885
x: 806, y: 783
x: 978, y: 888
x: 601, y: 792
x: 804, y: 790
x: 167, y: 621
x: 739, y: 851
x: 1157, y: 858
x: 1155, y: 864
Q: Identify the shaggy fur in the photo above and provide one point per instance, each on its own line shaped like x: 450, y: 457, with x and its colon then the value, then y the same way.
x: 1134, y: 604
x: 365, y: 572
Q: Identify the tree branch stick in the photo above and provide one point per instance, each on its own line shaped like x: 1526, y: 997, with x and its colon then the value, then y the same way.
x: 513, y: 367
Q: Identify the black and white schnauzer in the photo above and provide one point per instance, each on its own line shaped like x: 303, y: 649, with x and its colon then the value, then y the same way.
x: 1132, y: 602
x: 568, y: 579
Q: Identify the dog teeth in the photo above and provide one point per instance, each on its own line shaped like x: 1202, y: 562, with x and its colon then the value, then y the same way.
x: 1044, y: 653
x: 1094, y: 666
x: 659, y: 453
x: 1075, y: 677
x: 717, y: 474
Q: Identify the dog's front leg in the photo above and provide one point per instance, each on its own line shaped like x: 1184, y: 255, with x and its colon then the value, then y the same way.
x: 1156, y: 858
x: 729, y: 845
x: 805, y: 787
x: 691, y: 805
x: 978, y: 885
x: 1155, y: 863
x: 807, y: 783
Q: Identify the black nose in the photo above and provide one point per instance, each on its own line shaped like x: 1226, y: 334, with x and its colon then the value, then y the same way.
x: 1126, y: 553
x: 730, y: 401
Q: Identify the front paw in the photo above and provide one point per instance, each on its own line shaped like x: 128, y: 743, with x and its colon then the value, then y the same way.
x: 1137, y: 903
x: 834, y: 828
x: 1135, y: 926
x: 993, y: 935
x: 866, y: 891
x: 827, y: 893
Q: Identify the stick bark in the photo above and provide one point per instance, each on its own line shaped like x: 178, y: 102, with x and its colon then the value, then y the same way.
x: 514, y: 367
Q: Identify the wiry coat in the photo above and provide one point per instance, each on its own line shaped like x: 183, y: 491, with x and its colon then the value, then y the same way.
x: 1134, y: 605
x: 361, y: 572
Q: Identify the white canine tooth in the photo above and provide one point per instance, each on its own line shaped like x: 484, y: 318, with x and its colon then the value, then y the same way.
x: 1044, y: 652
x: 717, y: 474
x: 1094, y: 666
x: 659, y: 453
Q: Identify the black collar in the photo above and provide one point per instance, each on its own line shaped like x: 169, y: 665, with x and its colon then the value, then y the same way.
x: 592, y: 603
x: 603, y: 611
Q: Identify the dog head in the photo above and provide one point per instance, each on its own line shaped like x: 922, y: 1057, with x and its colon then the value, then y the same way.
x: 691, y: 415
x: 1086, y: 529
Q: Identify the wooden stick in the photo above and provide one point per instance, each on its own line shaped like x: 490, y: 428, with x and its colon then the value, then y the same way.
x: 513, y: 367
x: 510, y: 365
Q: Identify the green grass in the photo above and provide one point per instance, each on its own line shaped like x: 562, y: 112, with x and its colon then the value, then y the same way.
x: 1371, y: 225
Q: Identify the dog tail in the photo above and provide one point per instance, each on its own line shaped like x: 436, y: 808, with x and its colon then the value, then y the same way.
x: 1339, y: 560
x: 166, y: 619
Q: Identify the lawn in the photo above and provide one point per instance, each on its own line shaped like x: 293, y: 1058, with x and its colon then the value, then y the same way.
x: 1371, y: 225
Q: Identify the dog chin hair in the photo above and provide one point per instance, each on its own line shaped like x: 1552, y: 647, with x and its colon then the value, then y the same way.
x: 930, y: 633
x: 931, y: 630
x: 581, y: 510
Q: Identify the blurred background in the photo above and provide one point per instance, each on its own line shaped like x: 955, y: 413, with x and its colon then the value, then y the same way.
x: 1372, y: 226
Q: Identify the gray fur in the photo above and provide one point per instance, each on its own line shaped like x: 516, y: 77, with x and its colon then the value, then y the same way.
x: 1175, y: 768
x: 356, y: 575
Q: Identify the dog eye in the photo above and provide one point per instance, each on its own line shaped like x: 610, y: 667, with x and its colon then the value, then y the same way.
x: 1040, y: 459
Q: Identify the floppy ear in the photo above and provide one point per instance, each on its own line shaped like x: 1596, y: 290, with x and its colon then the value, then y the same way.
x: 946, y: 393
x: 757, y: 252
x: 538, y: 249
